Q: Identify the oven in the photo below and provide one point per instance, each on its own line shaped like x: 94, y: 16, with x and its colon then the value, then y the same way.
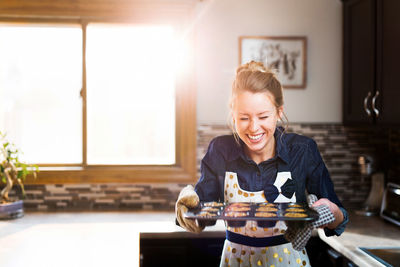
x: 390, y: 209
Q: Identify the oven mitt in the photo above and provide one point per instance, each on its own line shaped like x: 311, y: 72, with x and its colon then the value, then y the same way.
x: 187, y: 199
x: 298, y: 233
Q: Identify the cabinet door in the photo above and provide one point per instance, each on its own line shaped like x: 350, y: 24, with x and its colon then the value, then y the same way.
x: 388, y: 68
x: 359, y: 59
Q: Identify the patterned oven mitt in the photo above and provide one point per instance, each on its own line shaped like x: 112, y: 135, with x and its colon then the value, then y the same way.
x: 298, y: 233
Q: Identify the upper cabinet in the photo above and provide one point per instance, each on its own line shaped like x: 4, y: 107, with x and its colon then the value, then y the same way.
x: 371, y: 62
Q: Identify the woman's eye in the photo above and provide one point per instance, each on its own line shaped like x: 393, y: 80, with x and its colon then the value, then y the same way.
x: 264, y: 117
x: 243, y: 119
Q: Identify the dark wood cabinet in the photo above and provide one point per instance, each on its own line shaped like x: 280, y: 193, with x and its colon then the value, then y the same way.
x: 321, y: 254
x: 164, y: 250
x: 371, y: 62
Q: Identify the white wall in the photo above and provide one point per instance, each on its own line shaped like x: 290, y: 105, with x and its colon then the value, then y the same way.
x: 220, y: 23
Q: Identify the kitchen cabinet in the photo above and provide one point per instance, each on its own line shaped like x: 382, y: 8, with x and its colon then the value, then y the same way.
x: 321, y: 254
x: 164, y: 250
x: 371, y: 59
x: 180, y: 252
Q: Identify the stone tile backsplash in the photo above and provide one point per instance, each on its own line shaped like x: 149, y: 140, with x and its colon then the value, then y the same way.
x: 340, y: 147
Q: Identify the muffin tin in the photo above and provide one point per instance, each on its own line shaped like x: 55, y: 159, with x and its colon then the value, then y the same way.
x: 265, y: 214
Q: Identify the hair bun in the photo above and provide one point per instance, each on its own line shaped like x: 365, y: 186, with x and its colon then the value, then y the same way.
x: 253, y: 66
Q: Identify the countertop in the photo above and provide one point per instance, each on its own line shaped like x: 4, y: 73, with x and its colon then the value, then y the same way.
x: 112, y: 238
x: 363, y: 232
x: 85, y: 239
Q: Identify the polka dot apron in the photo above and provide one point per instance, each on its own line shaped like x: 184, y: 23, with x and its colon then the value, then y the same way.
x: 237, y: 254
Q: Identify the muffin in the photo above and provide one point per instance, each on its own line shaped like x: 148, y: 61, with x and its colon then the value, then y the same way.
x: 267, y: 209
x: 293, y: 205
x: 267, y: 205
x: 295, y: 215
x: 210, y: 209
x: 238, y: 209
x: 213, y: 204
x: 207, y: 214
x: 295, y: 210
x: 235, y: 214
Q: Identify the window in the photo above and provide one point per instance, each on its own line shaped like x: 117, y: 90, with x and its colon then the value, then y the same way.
x: 130, y: 95
x: 40, y: 81
x: 98, y: 101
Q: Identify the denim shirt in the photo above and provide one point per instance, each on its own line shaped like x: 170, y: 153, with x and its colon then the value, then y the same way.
x: 295, y: 153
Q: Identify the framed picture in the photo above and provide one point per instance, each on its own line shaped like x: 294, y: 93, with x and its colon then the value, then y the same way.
x: 286, y: 55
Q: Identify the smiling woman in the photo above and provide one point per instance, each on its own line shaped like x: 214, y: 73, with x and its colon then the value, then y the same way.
x: 94, y: 98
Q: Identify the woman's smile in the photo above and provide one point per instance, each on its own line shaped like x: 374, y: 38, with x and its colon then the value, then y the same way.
x: 255, y: 138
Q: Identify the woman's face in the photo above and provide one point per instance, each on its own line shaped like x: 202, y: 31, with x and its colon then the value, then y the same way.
x: 255, y: 117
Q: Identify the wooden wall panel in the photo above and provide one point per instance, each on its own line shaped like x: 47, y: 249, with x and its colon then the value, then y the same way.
x: 155, y: 10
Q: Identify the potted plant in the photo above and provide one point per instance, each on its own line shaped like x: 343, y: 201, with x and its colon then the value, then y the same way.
x: 12, y: 171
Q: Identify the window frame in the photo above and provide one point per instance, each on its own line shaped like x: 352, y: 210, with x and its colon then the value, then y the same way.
x: 184, y: 169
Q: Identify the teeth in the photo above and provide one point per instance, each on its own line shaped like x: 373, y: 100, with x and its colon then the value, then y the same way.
x: 255, y: 137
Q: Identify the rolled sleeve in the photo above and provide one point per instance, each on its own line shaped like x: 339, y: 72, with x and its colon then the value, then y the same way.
x: 340, y: 228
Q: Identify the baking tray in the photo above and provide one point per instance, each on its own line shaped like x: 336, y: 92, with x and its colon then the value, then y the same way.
x: 265, y: 214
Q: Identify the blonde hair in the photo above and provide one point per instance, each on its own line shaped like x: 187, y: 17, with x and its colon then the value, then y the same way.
x: 257, y: 78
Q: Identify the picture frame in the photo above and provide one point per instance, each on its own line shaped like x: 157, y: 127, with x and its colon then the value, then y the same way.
x: 286, y: 55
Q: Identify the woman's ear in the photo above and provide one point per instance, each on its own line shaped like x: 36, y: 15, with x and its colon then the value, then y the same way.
x: 280, y: 113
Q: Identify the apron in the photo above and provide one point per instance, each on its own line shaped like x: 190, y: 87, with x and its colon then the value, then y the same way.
x: 236, y: 253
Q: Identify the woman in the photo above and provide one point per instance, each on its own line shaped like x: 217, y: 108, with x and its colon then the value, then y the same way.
x: 259, y: 163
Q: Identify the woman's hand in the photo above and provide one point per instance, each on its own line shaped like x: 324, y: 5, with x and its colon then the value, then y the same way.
x: 337, y: 213
x: 187, y: 199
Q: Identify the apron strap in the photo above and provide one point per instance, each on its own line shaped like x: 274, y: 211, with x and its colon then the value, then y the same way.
x: 255, y: 241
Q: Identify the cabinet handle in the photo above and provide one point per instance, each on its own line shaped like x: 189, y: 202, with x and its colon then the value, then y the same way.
x: 366, y: 103
x: 373, y: 103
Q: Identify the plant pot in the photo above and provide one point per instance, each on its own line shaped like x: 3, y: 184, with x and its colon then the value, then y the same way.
x: 12, y: 210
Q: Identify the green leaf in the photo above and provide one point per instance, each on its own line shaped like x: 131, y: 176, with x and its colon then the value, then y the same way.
x: 12, y: 154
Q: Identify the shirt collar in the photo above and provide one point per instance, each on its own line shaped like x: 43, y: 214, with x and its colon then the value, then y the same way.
x: 281, y: 149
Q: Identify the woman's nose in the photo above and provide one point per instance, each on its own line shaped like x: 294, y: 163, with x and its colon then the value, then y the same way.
x: 254, y: 125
